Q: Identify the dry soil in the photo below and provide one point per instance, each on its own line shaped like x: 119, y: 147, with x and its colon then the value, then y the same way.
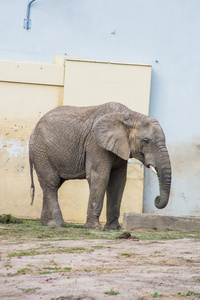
x: 97, y: 269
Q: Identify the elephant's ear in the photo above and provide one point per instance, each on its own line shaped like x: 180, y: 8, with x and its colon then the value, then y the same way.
x: 111, y: 134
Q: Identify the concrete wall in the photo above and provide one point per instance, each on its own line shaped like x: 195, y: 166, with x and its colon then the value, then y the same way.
x: 164, y: 34
x: 28, y: 90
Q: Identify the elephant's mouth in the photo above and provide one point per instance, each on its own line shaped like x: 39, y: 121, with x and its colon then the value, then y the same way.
x: 140, y: 156
x: 152, y: 169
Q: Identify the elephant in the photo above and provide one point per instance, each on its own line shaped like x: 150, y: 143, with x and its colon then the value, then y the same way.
x: 95, y: 143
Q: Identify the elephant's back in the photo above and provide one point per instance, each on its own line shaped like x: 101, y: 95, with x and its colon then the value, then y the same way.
x: 76, y: 117
x: 66, y: 120
x: 86, y: 112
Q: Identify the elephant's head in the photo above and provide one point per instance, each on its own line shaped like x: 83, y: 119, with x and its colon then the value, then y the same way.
x: 139, y: 136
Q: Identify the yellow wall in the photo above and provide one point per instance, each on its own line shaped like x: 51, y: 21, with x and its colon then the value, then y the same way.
x: 28, y: 91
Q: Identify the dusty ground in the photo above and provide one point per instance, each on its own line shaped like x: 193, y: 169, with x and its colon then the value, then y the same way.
x: 89, y: 268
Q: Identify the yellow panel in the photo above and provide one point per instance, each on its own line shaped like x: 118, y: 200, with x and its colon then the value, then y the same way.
x: 22, y: 105
x: 28, y: 100
x: 92, y: 83
x: 37, y: 73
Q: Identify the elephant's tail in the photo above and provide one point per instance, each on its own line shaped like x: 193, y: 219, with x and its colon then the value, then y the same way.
x: 32, y: 181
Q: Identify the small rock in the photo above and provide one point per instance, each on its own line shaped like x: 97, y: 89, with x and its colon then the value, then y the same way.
x: 127, y: 235
x: 124, y: 235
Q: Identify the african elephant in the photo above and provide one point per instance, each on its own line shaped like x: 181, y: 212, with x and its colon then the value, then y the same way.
x: 95, y: 143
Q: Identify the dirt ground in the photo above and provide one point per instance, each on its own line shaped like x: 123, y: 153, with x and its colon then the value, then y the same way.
x: 100, y: 269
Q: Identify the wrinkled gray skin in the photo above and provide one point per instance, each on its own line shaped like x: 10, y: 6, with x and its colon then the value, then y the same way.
x: 94, y: 143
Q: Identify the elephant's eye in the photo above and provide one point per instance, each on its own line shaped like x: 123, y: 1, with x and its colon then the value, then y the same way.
x: 145, y: 141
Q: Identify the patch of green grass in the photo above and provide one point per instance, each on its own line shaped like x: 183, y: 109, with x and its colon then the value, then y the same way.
x: 74, y: 225
x: 149, y: 234
x: 50, y: 270
x: 23, y: 271
x: 47, y: 272
x: 58, y: 250
x: 11, y: 274
x: 126, y: 254
x: 7, y: 265
x: 29, y: 290
x: 32, y: 229
x: 67, y: 268
x: 155, y: 295
x: 189, y: 293
x: 111, y: 292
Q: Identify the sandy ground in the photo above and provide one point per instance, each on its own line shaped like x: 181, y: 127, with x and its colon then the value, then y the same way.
x: 86, y: 269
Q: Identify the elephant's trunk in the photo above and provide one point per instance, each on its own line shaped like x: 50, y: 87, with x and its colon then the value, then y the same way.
x: 163, y: 168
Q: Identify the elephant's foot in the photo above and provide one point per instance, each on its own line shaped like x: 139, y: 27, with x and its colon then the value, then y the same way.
x: 113, y: 225
x: 53, y: 223
x: 94, y: 225
x: 53, y: 219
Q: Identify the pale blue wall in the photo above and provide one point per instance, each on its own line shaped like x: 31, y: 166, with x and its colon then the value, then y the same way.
x: 165, y: 34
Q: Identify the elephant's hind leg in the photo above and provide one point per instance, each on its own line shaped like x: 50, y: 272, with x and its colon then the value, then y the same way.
x: 51, y: 213
x: 50, y: 182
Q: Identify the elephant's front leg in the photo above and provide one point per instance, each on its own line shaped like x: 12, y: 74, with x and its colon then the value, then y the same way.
x: 98, y: 185
x: 114, y: 196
